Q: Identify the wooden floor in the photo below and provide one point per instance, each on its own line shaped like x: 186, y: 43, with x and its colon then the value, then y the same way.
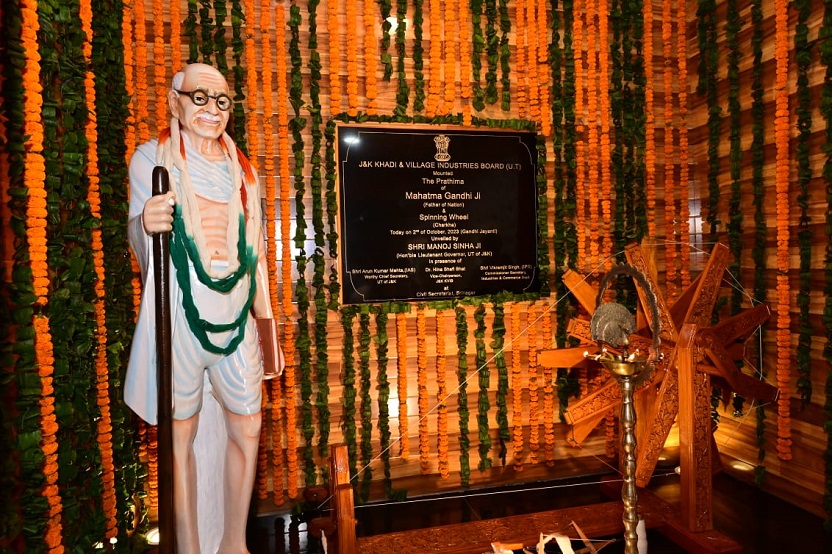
x: 759, y: 522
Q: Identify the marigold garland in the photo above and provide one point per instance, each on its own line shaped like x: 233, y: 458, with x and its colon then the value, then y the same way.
x: 34, y: 180
x: 175, y: 35
x: 130, y: 122
x: 159, y: 69
x: 352, y: 58
x: 434, y: 60
x: 606, y: 219
x: 288, y: 343
x: 252, y: 127
x: 334, y: 56
x: 650, y: 119
x: 669, y: 184
x: 516, y: 388
x: 534, y: 398
x: 104, y: 425
x: 451, y: 48
x: 782, y: 309
x: 543, y: 73
x: 522, y: 61
x: 370, y: 58
x: 442, y: 444
x: 401, y: 382
x: 422, y: 384
x: 593, y: 139
x: 684, y: 171
x: 466, y: 90
x: 548, y: 393
x: 580, y: 144
x: 533, y: 80
x: 262, y: 476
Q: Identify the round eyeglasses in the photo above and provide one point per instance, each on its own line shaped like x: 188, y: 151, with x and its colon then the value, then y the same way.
x: 200, y: 98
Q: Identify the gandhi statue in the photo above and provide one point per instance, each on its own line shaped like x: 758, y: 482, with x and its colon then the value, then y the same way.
x: 218, y: 287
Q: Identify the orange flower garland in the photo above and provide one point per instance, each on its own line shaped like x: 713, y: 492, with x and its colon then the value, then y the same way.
x: 435, y: 59
x: 684, y: 172
x: 516, y: 389
x: 262, y: 476
x: 352, y: 59
x: 252, y: 128
x: 442, y: 445
x: 288, y: 342
x: 534, y: 416
x: 159, y: 69
x: 102, y: 369
x: 277, y: 440
x: 543, y: 62
x: 650, y: 122
x: 34, y: 179
x: 401, y: 382
x: 130, y: 122
x: 175, y: 36
x: 548, y: 395
x: 592, y: 125
x: 606, y: 153
x: 533, y: 82
x: 669, y: 185
x: 451, y: 45
x: 370, y: 58
x: 334, y: 56
x: 141, y: 72
x: 422, y: 377
x: 521, y: 65
x: 465, y: 61
x: 781, y: 137
x: 580, y: 144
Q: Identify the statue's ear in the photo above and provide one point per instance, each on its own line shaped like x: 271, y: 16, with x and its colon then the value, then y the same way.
x: 173, y: 102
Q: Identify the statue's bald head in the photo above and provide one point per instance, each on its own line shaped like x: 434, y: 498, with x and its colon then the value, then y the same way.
x: 205, y: 119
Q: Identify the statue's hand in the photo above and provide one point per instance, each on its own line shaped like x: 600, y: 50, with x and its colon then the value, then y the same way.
x: 157, y: 216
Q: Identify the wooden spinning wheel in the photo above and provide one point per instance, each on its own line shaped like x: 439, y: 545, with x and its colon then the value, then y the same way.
x: 693, y: 352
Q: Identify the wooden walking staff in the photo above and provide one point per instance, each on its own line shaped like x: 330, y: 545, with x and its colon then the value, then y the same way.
x: 161, y: 274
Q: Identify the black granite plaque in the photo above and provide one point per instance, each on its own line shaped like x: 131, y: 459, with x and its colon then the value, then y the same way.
x: 432, y: 214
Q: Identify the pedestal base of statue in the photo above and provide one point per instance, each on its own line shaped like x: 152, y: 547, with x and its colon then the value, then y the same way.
x: 209, y: 450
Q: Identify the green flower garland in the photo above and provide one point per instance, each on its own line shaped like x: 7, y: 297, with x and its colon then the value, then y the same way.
x: 332, y: 214
x: 318, y: 262
x: 206, y: 47
x: 803, y: 57
x: 418, y: 56
x: 758, y: 251
x: 403, y: 90
x: 462, y: 395
x: 111, y: 110
x: 570, y: 200
x: 498, y: 333
x: 366, y: 407
x: 302, y: 341
x: 735, y: 215
x: 707, y: 86
x: 348, y: 427
x: 386, y: 58
x: 505, y: 55
x: 478, y: 41
x: 491, y: 47
x: 190, y: 32
x: 483, y: 403
x: 825, y: 47
x: 238, y: 48
x: 220, y: 45
x: 383, y: 395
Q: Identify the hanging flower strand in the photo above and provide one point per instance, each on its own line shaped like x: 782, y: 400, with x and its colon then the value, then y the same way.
x: 684, y: 172
x: 102, y: 369
x: 401, y: 383
x: 334, y: 57
x: 34, y: 179
x: 580, y: 143
x: 442, y: 444
x: 650, y: 122
x: 669, y: 185
x: 465, y: 61
x: 370, y: 58
x: 516, y: 389
x: 422, y: 384
x: 781, y: 134
x: 288, y: 342
x: 159, y: 69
